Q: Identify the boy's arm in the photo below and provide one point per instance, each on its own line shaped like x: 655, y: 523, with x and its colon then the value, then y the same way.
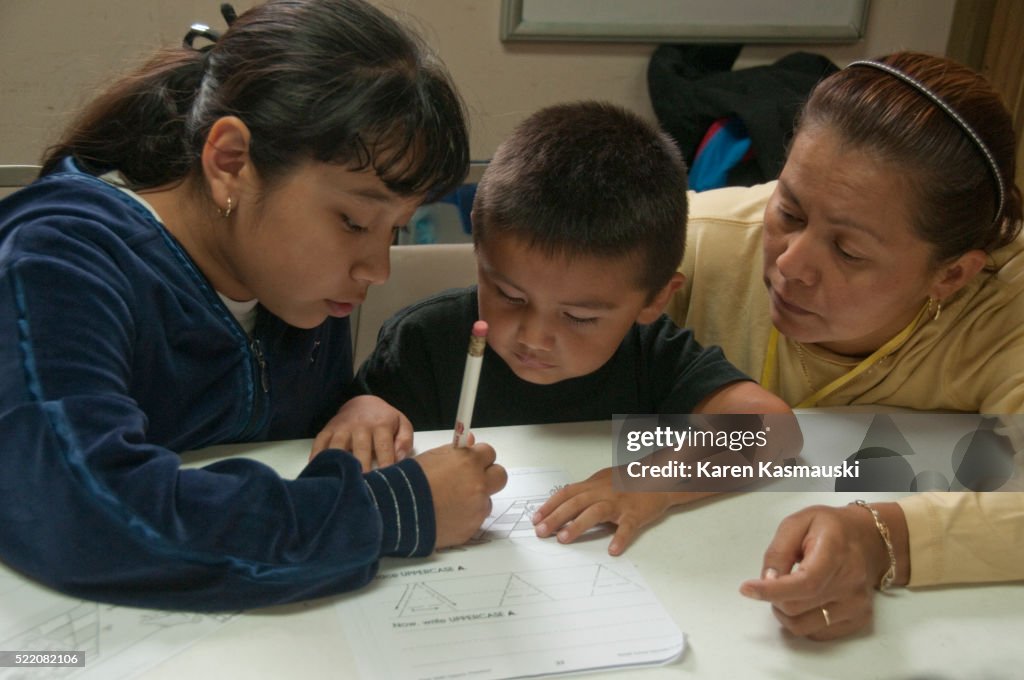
x: 370, y: 429
x: 742, y: 397
x: 399, y: 372
x: 747, y: 397
x: 374, y: 422
x: 392, y: 393
x: 578, y: 507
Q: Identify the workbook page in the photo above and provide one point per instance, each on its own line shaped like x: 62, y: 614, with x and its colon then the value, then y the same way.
x: 509, y: 604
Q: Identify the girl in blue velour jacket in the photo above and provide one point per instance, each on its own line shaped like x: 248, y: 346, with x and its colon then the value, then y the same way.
x: 180, y: 276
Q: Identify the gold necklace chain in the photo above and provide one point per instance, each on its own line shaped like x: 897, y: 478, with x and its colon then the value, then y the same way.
x: 803, y: 365
x: 801, y: 356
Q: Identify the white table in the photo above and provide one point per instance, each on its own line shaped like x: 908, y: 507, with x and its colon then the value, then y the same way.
x: 694, y: 560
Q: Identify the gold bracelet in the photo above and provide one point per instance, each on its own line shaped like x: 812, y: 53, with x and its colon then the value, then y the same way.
x: 883, y: 530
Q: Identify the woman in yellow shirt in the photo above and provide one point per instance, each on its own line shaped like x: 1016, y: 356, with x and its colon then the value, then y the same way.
x: 885, y: 266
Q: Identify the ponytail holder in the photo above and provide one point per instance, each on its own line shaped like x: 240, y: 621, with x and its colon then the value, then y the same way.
x: 204, y: 31
x: 199, y: 31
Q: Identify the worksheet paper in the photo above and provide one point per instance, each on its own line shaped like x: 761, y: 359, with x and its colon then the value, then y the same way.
x: 509, y: 604
x: 117, y: 642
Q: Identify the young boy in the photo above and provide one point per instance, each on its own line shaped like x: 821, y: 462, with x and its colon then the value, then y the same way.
x: 579, y: 224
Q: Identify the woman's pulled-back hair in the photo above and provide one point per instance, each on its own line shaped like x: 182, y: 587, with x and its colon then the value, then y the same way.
x: 335, y: 81
x: 588, y: 179
x: 957, y: 192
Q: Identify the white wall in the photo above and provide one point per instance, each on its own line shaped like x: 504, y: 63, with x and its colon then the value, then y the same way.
x: 53, y: 53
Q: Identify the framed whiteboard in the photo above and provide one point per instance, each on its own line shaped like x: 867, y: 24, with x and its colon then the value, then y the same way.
x: 735, y: 21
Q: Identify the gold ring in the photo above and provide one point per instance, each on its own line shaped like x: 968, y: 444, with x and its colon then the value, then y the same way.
x: 828, y: 619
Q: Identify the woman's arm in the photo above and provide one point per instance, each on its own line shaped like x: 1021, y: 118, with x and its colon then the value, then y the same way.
x: 965, y: 537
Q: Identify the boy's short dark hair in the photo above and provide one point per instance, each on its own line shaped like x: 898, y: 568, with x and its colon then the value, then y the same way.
x: 589, y: 179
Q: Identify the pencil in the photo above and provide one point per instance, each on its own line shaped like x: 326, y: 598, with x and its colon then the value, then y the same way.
x: 470, y: 380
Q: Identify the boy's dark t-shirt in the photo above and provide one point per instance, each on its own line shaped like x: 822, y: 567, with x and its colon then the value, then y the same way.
x: 420, y: 356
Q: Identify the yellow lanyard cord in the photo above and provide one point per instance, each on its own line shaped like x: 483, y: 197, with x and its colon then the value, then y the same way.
x: 769, y: 373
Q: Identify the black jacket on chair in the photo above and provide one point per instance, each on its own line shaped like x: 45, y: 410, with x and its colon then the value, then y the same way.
x: 692, y: 86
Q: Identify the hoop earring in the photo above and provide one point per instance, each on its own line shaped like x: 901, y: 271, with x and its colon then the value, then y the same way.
x: 938, y: 308
x: 226, y: 212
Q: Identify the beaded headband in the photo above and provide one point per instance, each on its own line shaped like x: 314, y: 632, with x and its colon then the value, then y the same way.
x: 964, y: 125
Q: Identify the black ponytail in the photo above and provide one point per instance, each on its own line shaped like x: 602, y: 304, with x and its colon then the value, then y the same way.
x: 331, y: 80
x: 139, y: 124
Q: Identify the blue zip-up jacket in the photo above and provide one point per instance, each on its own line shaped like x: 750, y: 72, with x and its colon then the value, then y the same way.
x: 115, y: 355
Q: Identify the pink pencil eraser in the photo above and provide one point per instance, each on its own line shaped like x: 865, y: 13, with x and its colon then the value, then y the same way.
x: 480, y: 329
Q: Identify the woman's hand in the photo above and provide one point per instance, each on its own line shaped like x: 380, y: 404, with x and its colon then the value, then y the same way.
x: 821, y: 569
x: 371, y: 429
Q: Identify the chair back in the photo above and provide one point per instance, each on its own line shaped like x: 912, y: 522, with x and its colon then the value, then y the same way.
x: 416, y: 272
x: 13, y: 177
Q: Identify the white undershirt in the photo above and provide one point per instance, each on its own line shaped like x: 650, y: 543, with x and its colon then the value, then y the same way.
x: 244, y: 311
